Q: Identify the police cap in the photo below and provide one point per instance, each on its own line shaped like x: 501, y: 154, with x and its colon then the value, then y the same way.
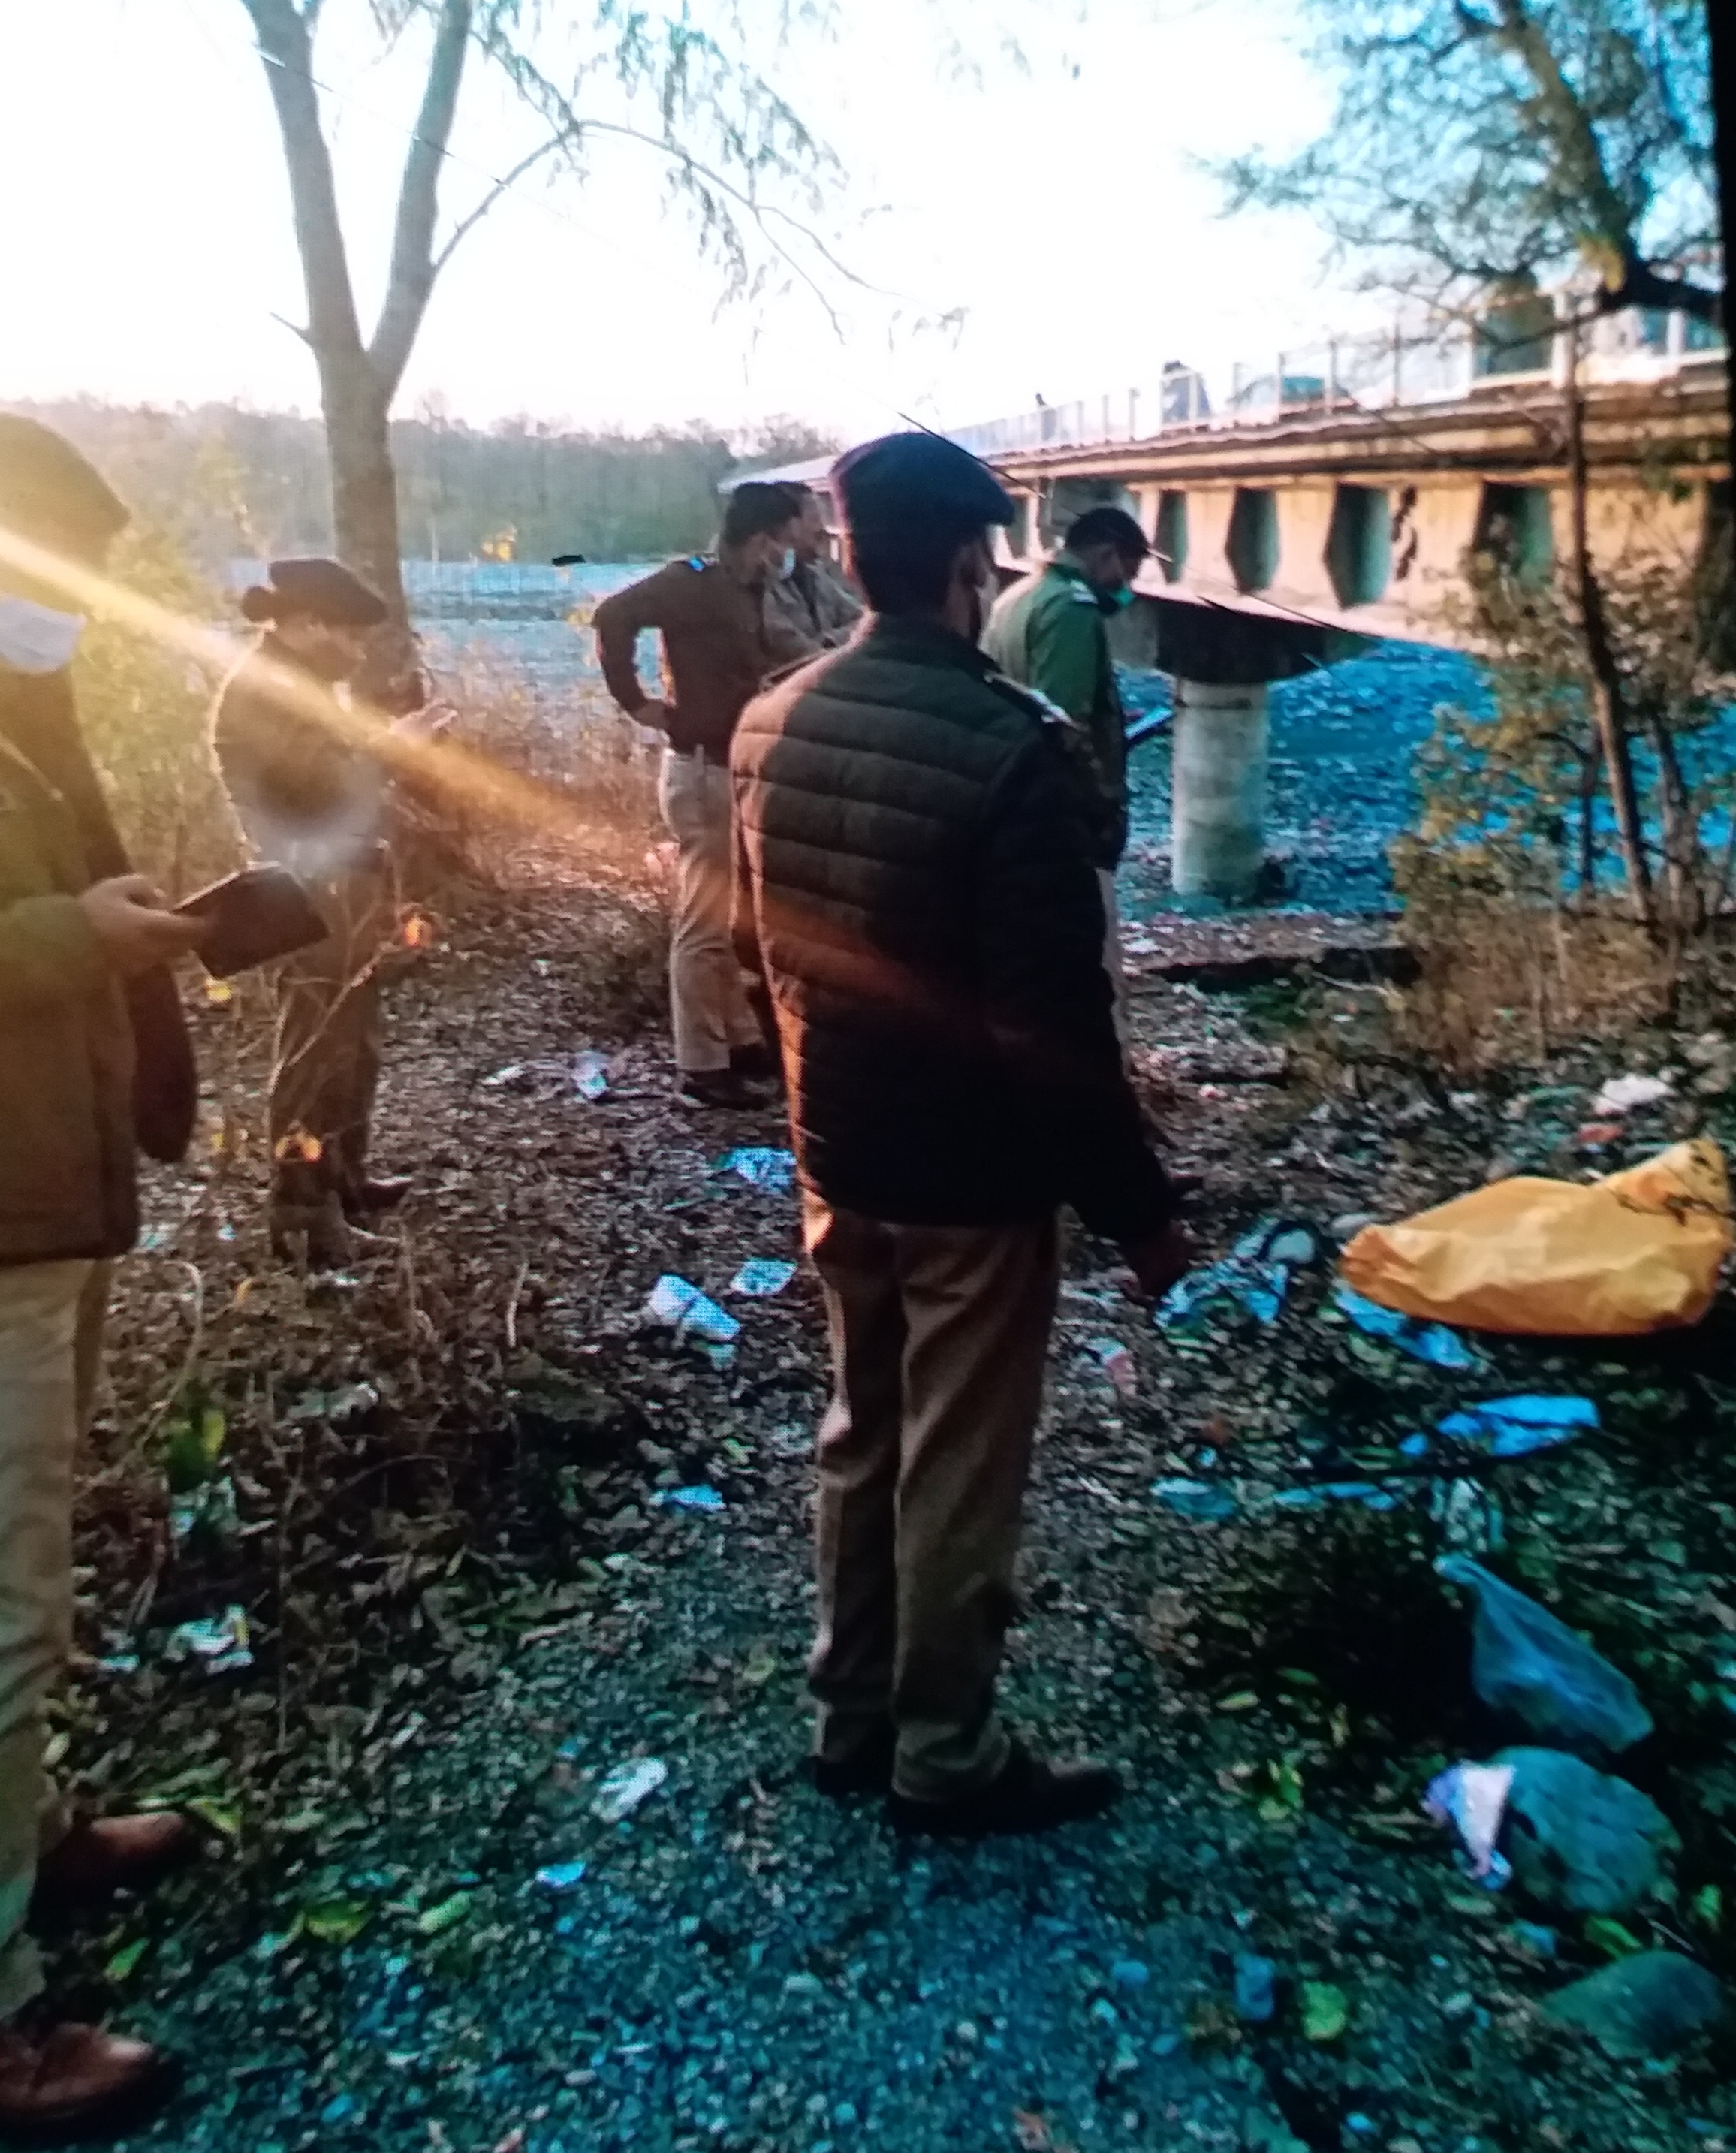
x: 311, y: 588
x: 921, y: 480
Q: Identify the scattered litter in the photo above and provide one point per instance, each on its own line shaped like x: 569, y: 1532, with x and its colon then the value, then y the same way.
x: 207, y: 1512
x: 1524, y: 1662
x: 590, y: 1075
x: 1368, y: 1493
x: 1628, y: 1095
x: 1254, y: 1276
x: 559, y: 1876
x: 1432, y: 1342
x: 1256, y: 1990
x: 1643, y: 2006
x: 1197, y: 1500
x: 513, y: 1073
x: 339, y: 1409
x: 700, y: 1498
x: 1473, y: 1799
x: 1632, y: 1253
x: 621, y: 1791
x: 690, y: 1314
x: 1469, y: 1516
x: 760, y: 1277
x: 1597, y: 1136
x: 217, y: 1642
x: 155, y: 1238
x: 1515, y: 1428
x: 1578, y: 1839
x: 1117, y: 1363
x: 762, y: 1169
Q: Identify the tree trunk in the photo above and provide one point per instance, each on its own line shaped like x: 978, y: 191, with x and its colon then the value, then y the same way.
x: 364, y: 488
x: 1724, y: 108
x: 1608, y: 702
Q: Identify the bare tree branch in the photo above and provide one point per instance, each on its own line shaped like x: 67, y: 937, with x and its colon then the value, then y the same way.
x: 410, y: 280
x: 502, y: 186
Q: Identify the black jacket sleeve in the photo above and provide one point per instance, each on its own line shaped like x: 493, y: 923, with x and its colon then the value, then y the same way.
x: 1039, y: 928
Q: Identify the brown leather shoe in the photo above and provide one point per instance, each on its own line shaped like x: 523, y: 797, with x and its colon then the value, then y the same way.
x: 101, y: 1854
x: 67, y: 2081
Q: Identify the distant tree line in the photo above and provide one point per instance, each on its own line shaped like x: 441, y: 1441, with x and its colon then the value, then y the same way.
x: 226, y: 483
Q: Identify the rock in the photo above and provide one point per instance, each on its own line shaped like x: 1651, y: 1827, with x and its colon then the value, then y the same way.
x: 1256, y: 1990
x: 1578, y: 1840
x: 1643, y: 2006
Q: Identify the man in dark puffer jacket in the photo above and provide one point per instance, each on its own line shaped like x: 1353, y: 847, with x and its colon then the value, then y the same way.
x: 914, y: 880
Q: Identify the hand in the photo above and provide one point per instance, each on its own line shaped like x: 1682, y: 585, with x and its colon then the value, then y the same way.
x: 1161, y: 1259
x: 654, y: 714
x: 427, y: 723
x: 135, y: 933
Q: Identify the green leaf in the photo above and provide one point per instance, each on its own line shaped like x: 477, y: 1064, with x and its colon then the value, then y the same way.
x: 445, y: 1916
x: 1610, y: 1937
x: 121, y: 1966
x: 192, y: 1444
x: 1244, y: 1700
x: 1326, y: 2010
x: 224, y: 1817
x: 1707, y: 1906
x: 336, y: 1921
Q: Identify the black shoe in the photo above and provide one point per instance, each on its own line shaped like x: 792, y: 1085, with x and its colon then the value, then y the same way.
x: 720, y: 1088
x: 384, y: 1192
x: 756, y: 1065
x: 1025, y: 1795
x: 867, y: 1770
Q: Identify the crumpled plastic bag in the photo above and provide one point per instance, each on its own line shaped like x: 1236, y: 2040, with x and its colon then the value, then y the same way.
x: 1526, y: 1662
x: 1634, y: 1252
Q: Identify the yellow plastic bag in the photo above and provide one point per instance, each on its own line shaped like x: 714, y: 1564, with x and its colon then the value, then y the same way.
x: 1635, y: 1252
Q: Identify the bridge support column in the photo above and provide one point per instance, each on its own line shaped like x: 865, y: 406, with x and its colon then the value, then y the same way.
x: 1218, y: 790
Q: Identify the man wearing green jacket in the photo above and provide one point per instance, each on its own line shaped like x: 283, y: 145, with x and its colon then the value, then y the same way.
x: 1050, y: 633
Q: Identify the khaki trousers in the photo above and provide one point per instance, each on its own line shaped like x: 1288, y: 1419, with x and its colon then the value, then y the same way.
x: 51, y: 1323
x: 326, y: 1066
x: 708, y: 1003
x: 1113, y: 964
x: 939, y: 1339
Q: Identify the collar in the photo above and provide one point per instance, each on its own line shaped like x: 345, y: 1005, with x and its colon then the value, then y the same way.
x: 927, y: 642
x: 1065, y: 569
x: 35, y: 639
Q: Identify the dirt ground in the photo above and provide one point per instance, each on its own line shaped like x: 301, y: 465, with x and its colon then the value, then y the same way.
x: 466, y: 1606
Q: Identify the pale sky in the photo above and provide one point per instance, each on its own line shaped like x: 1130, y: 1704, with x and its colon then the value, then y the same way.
x: 147, y: 250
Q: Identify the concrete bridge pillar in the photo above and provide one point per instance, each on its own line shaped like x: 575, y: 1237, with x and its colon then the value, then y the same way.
x: 1218, y: 791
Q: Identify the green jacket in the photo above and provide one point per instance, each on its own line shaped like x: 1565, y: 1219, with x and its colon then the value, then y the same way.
x: 67, y: 1182
x: 1048, y: 632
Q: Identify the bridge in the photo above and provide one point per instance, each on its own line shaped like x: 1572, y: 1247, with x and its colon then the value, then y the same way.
x: 1338, y: 494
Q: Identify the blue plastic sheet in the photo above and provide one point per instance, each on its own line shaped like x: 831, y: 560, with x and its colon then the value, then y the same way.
x: 1515, y: 1428
x: 1432, y: 1342
x: 762, y: 1169
x: 1254, y: 1277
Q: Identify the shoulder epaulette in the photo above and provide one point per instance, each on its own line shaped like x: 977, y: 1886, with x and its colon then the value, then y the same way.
x: 1029, y: 699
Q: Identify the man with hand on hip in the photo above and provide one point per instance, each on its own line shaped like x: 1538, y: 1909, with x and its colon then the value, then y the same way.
x: 717, y: 650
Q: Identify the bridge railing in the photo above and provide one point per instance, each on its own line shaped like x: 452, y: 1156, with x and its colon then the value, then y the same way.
x: 1405, y: 365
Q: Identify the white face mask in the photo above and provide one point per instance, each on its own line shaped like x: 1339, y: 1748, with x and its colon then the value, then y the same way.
x: 35, y: 639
